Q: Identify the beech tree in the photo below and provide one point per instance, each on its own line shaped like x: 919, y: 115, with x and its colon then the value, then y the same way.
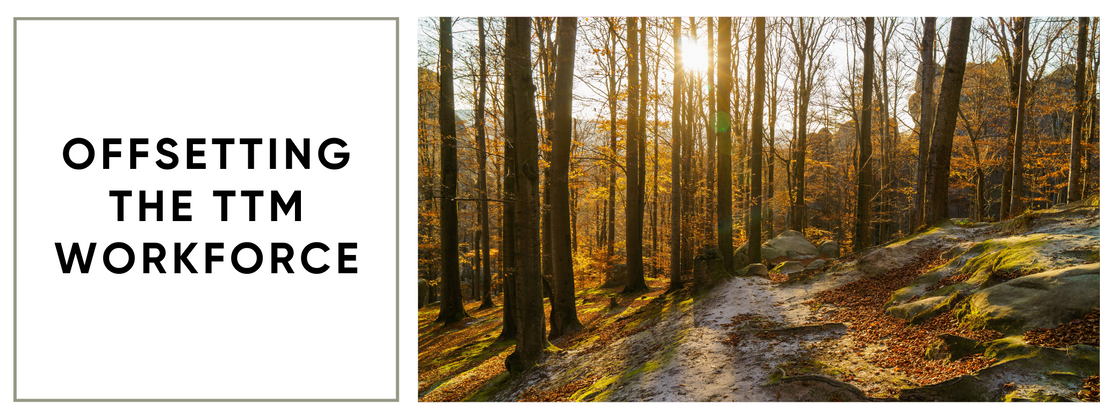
x: 1074, y: 193
x: 483, y: 192
x: 563, y: 314
x: 677, y: 83
x: 450, y: 306
x: 635, y: 279
x: 939, y: 151
x: 927, y: 113
x: 757, y: 142
x: 862, y: 236
x: 531, y: 331
x: 722, y: 123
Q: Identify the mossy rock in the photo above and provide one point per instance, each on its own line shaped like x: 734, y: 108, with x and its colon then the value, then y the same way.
x: 917, y: 286
x: 789, y: 267
x: 944, y: 305
x: 991, y: 261
x: 966, y: 388
x: 755, y: 269
x: 951, y: 348
x: 908, y: 311
x: 813, y: 388
x: 1030, y: 302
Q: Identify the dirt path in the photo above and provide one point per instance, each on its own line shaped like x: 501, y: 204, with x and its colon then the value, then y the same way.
x: 706, y: 367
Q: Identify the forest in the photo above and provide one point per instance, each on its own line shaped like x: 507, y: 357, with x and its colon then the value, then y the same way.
x: 827, y: 208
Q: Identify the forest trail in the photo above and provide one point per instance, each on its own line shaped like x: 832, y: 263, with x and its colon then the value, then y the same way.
x: 721, y: 360
x: 706, y: 367
x: 1004, y: 313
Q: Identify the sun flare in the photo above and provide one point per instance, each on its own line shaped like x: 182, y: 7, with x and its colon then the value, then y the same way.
x: 694, y: 55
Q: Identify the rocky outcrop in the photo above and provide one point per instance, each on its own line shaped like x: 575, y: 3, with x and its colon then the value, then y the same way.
x: 830, y: 248
x: 1041, y: 300
x: 755, y: 269
x: 789, y: 244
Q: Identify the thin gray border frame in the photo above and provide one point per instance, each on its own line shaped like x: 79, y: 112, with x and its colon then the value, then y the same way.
x: 15, y: 195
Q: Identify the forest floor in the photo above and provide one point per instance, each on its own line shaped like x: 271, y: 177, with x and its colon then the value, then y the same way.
x: 815, y: 338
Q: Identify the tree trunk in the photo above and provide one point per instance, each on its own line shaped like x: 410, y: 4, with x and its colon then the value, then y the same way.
x: 1017, y: 205
x: 1078, y: 111
x: 483, y: 193
x: 531, y: 336
x: 1014, y: 93
x: 674, y: 239
x: 613, y: 103
x: 711, y: 137
x: 939, y: 151
x: 643, y: 98
x: 863, y: 211
x: 725, y: 178
x: 656, y: 166
x: 450, y: 307
x: 510, y: 327
x: 757, y: 144
x: 563, y: 313
x: 927, y: 116
x: 687, y: 156
x: 546, y: 62
x: 635, y: 278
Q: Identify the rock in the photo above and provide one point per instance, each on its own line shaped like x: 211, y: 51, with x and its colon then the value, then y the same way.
x: 421, y: 293
x: 879, y: 261
x: 830, y: 248
x: 967, y: 388
x: 1020, y: 363
x: 789, y: 267
x: 741, y: 257
x: 813, y: 388
x: 815, y: 265
x: 1040, y: 300
x: 756, y: 269
x: 941, y: 307
x: 952, y: 348
x: 618, y: 276
x: 788, y: 244
x: 908, y: 311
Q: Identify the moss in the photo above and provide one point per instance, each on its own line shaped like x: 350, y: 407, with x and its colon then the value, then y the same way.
x: 963, y: 222
x: 1004, y: 258
x: 490, y: 388
x: 595, y: 392
x: 941, y: 307
x: 1021, y: 223
x: 1092, y: 257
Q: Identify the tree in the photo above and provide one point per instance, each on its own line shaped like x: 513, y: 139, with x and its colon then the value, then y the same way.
x: 677, y: 82
x: 862, y: 237
x: 810, y: 42
x: 1078, y: 111
x: 563, y: 314
x: 547, y: 66
x: 531, y: 332
x: 757, y: 143
x: 1017, y: 203
x: 939, y: 150
x: 635, y: 278
x: 722, y: 124
x: 450, y: 305
x: 613, y: 103
x: 483, y: 193
x: 510, y: 328
x: 1011, y: 57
